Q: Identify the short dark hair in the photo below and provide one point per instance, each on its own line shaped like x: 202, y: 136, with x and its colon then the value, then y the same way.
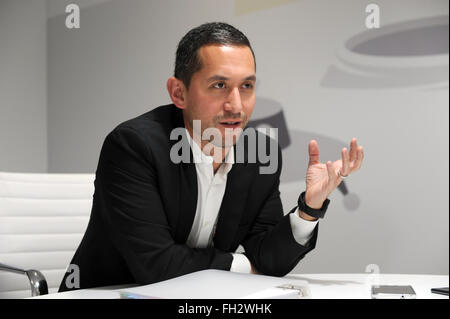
x: 187, y: 60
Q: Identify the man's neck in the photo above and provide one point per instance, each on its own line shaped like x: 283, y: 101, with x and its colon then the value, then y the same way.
x: 210, y: 151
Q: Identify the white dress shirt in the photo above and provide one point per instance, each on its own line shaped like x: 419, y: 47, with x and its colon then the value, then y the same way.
x: 211, y: 189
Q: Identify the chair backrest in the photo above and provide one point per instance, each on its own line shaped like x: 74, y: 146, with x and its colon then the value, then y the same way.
x: 42, y: 220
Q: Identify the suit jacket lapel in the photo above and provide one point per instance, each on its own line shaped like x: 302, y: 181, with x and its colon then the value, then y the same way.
x: 233, y: 203
x: 188, y: 193
x: 185, y: 187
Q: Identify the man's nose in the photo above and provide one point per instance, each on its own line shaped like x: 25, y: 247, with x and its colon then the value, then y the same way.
x: 233, y: 103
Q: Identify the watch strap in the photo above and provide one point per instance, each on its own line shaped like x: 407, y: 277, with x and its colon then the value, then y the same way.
x: 316, y: 213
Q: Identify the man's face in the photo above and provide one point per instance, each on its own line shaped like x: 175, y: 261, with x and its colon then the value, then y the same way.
x: 222, y: 93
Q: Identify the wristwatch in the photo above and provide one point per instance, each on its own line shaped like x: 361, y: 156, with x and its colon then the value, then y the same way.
x: 316, y: 213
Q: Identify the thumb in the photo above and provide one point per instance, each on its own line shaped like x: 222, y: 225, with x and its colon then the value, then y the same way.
x: 313, y: 150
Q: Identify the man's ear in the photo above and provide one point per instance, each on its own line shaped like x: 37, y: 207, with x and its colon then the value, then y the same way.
x: 177, y: 92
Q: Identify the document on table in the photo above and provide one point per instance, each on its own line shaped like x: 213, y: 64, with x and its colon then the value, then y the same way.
x: 220, y: 284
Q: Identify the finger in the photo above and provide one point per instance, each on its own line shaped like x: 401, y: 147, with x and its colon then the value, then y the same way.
x: 353, y: 149
x: 359, y: 157
x: 332, y: 175
x: 345, y: 162
x: 313, y: 150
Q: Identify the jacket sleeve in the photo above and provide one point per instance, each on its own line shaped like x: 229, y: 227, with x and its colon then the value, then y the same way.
x: 127, y: 195
x: 270, y: 244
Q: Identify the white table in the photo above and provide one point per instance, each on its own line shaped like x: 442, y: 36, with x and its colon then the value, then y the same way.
x: 322, y: 286
x: 357, y: 286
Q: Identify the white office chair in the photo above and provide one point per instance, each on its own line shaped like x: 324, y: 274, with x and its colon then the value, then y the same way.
x: 42, y: 220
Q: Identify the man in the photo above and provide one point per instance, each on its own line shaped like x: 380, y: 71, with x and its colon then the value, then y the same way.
x: 155, y: 218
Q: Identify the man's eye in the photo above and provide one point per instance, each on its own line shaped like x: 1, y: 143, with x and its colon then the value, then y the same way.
x: 219, y: 85
x: 248, y: 86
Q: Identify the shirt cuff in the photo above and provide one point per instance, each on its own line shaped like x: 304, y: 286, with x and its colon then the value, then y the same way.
x: 302, y: 229
x: 240, y: 264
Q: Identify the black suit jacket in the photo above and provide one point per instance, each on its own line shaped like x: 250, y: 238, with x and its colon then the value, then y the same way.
x: 144, y: 207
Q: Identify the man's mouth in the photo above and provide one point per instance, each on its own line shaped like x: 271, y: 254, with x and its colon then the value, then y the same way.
x: 230, y: 124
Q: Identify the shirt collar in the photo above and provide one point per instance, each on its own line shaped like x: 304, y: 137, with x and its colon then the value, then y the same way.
x: 202, y: 158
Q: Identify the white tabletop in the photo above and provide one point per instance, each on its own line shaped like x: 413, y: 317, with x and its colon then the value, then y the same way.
x: 357, y: 286
x: 322, y: 286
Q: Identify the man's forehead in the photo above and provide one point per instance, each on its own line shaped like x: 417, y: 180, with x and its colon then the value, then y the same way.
x: 217, y: 55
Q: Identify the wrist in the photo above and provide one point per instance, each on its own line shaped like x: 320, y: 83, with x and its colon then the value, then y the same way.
x: 311, y: 211
x: 253, y: 270
x: 305, y: 216
x: 312, y: 204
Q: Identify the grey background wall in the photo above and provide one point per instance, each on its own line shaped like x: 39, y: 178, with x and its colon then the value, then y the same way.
x: 393, y: 213
x: 23, y: 86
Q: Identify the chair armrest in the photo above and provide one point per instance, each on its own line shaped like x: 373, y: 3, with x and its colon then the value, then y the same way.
x: 37, y: 280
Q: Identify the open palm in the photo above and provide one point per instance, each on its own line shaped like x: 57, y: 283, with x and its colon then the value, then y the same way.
x: 322, y: 179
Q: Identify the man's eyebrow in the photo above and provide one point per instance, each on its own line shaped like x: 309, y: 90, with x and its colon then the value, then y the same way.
x: 224, y: 78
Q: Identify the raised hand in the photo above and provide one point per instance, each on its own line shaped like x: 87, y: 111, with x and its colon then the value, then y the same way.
x: 322, y: 179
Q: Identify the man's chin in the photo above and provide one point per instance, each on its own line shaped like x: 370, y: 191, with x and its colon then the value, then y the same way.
x: 224, y: 144
x: 231, y: 136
